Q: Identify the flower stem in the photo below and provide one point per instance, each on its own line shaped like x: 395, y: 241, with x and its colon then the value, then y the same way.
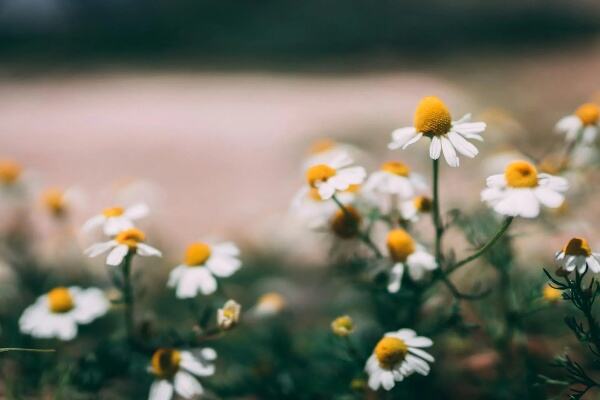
x: 128, y: 297
x: 437, y: 219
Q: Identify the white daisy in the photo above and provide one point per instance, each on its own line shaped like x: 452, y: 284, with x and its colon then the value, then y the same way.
x: 127, y: 241
x: 116, y: 219
x: 584, y: 124
x: 311, y: 209
x: 229, y: 315
x: 202, y: 262
x: 407, y: 254
x: 57, y: 313
x: 520, y: 190
x: 432, y: 119
x: 334, y: 176
x: 396, y: 356
x: 325, y: 149
x: 176, y: 371
x: 577, y: 255
x: 58, y: 202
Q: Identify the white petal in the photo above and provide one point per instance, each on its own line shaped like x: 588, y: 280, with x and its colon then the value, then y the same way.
x: 223, y: 266
x: 387, y: 380
x: 116, y: 256
x: 549, y: 197
x: 435, y: 148
x: 89, y: 305
x: 175, y: 275
x: 462, y: 145
x: 161, y: 390
x: 423, y: 354
x: 93, y: 222
x: 195, y: 366
x: 114, y: 225
x: 401, y: 136
x: 226, y: 248
x: 449, y: 152
x: 469, y: 128
x: 589, y: 134
x: 419, y: 341
x: 99, y: 248
x: 137, y: 211
x: 146, y: 250
x: 186, y: 385
x: 395, y: 278
x: 414, y: 139
x: 498, y: 180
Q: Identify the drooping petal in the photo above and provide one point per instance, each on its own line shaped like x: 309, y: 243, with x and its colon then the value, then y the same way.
x: 449, y: 152
x: 116, y: 256
x: 435, y: 148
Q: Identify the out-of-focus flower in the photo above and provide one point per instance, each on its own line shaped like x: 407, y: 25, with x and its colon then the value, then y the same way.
x: 10, y: 172
x: 202, y: 262
x: 396, y: 356
x: 57, y: 313
x: 269, y: 304
x: 583, y: 123
x: 433, y: 120
x: 410, y: 209
x: 58, y: 202
x: 342, y: 326
x: 550, y: 294
x: 116, y: 219
x: 407, y: 254
x: 229, y: 315
x: 521, y: 190
x: 127, y: 241
x: 334, y: 176
x: 345, y: 223
x: 316, y: 212
x: 326, y: 149
x: 577, y: 254
x: 176, y: 371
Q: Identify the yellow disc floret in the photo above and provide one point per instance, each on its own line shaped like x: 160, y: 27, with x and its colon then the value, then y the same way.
x: 396, y: 168
x: 346, y: 223
x: 196, y: 254
x: 113, y: 212
x: 10, y: 172
x: 578, y: 247
x: 60, y: 300
x: 319, y: 173
x: 400, y: 245
x: 588, y: 113
x: 551, y: 294
x: 521, y: 174
x: 432, y: 117
x: 54, y: 200
x: 165, y: 362
x: 390, y: 351
x: 342, y: 326
x: 321, y: 146
x: 422, y: 203
x: 130, y: 237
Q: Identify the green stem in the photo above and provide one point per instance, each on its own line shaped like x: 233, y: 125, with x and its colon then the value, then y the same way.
x: 128, y: 297
x: 437, y: 218
x: 362, y: 235
x: 485, y: 248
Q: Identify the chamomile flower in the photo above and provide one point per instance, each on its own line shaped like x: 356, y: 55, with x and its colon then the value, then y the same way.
x: 521, y: 189
x: 310, y: 208
x: 396, y: 356
x: 336, y: 175
x: 229, y: 315
x: 342, y: 326
x: 116, y: 219
x: 128, y: 241
x: 57, y: 202
x: 325, y: 149
x: 584, y: 123
x: 393, y: 183
x: 407, y: 254
x: 176, y: 371
x: 432, y: 119
x: 10, y: 172
x: 577, y: 255
x: 57, y: 313
x: 201, y: 264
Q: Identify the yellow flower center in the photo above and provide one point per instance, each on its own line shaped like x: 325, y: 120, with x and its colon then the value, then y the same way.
x: 272, y: 300
x: 196, y: 254
x: 432, y: 117
x: 130, y: 237
x: 54, y: 201
x: 396, y: 168
x: 165, y: 362
x: 60, y: 300
x: 422, y: 203
x: 551, y: 294
x: 342, y: 326
x: 113, y: 212
x: 313, y: 193
x: 390, y: 351
x: 10, y: 172
x: 588, y: 113
x: 319, y: 173
x: 400, y: 244
x: 354, y: 188
x: 521, y: 174
x: 346, y: 224
x: 578, y: 247
x: 321, y: 146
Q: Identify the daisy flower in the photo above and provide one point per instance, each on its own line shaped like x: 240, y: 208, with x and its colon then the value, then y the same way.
x: 396, y: 356
x: 229, y: 315
x: 176, y: 371
x: 577, y: 255
x: 116, y: 219
x: 521, y: 190
x: 585, y: 122
x: 202, y: 263
x: 432, y: 119
x: 57, y: 313
x: 325, y: 149
x: 394, y: 182
x: 407, y: 254
x: 10, y: 172
x: 309, y: 207
x: 57, y: 201
x: 128, y: 241
x: 334, y: 176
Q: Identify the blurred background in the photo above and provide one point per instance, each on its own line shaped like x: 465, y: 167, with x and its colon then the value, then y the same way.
x: 215, y: 102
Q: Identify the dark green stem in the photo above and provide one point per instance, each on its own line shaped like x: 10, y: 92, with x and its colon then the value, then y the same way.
x: 437, y: 218
x: 128, y: 297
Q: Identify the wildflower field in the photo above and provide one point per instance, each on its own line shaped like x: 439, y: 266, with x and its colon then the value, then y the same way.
x: 333, y: 229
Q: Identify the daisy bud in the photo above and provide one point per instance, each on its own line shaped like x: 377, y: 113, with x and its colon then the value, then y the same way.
x: 342, y: 326
x: 229, y: 316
